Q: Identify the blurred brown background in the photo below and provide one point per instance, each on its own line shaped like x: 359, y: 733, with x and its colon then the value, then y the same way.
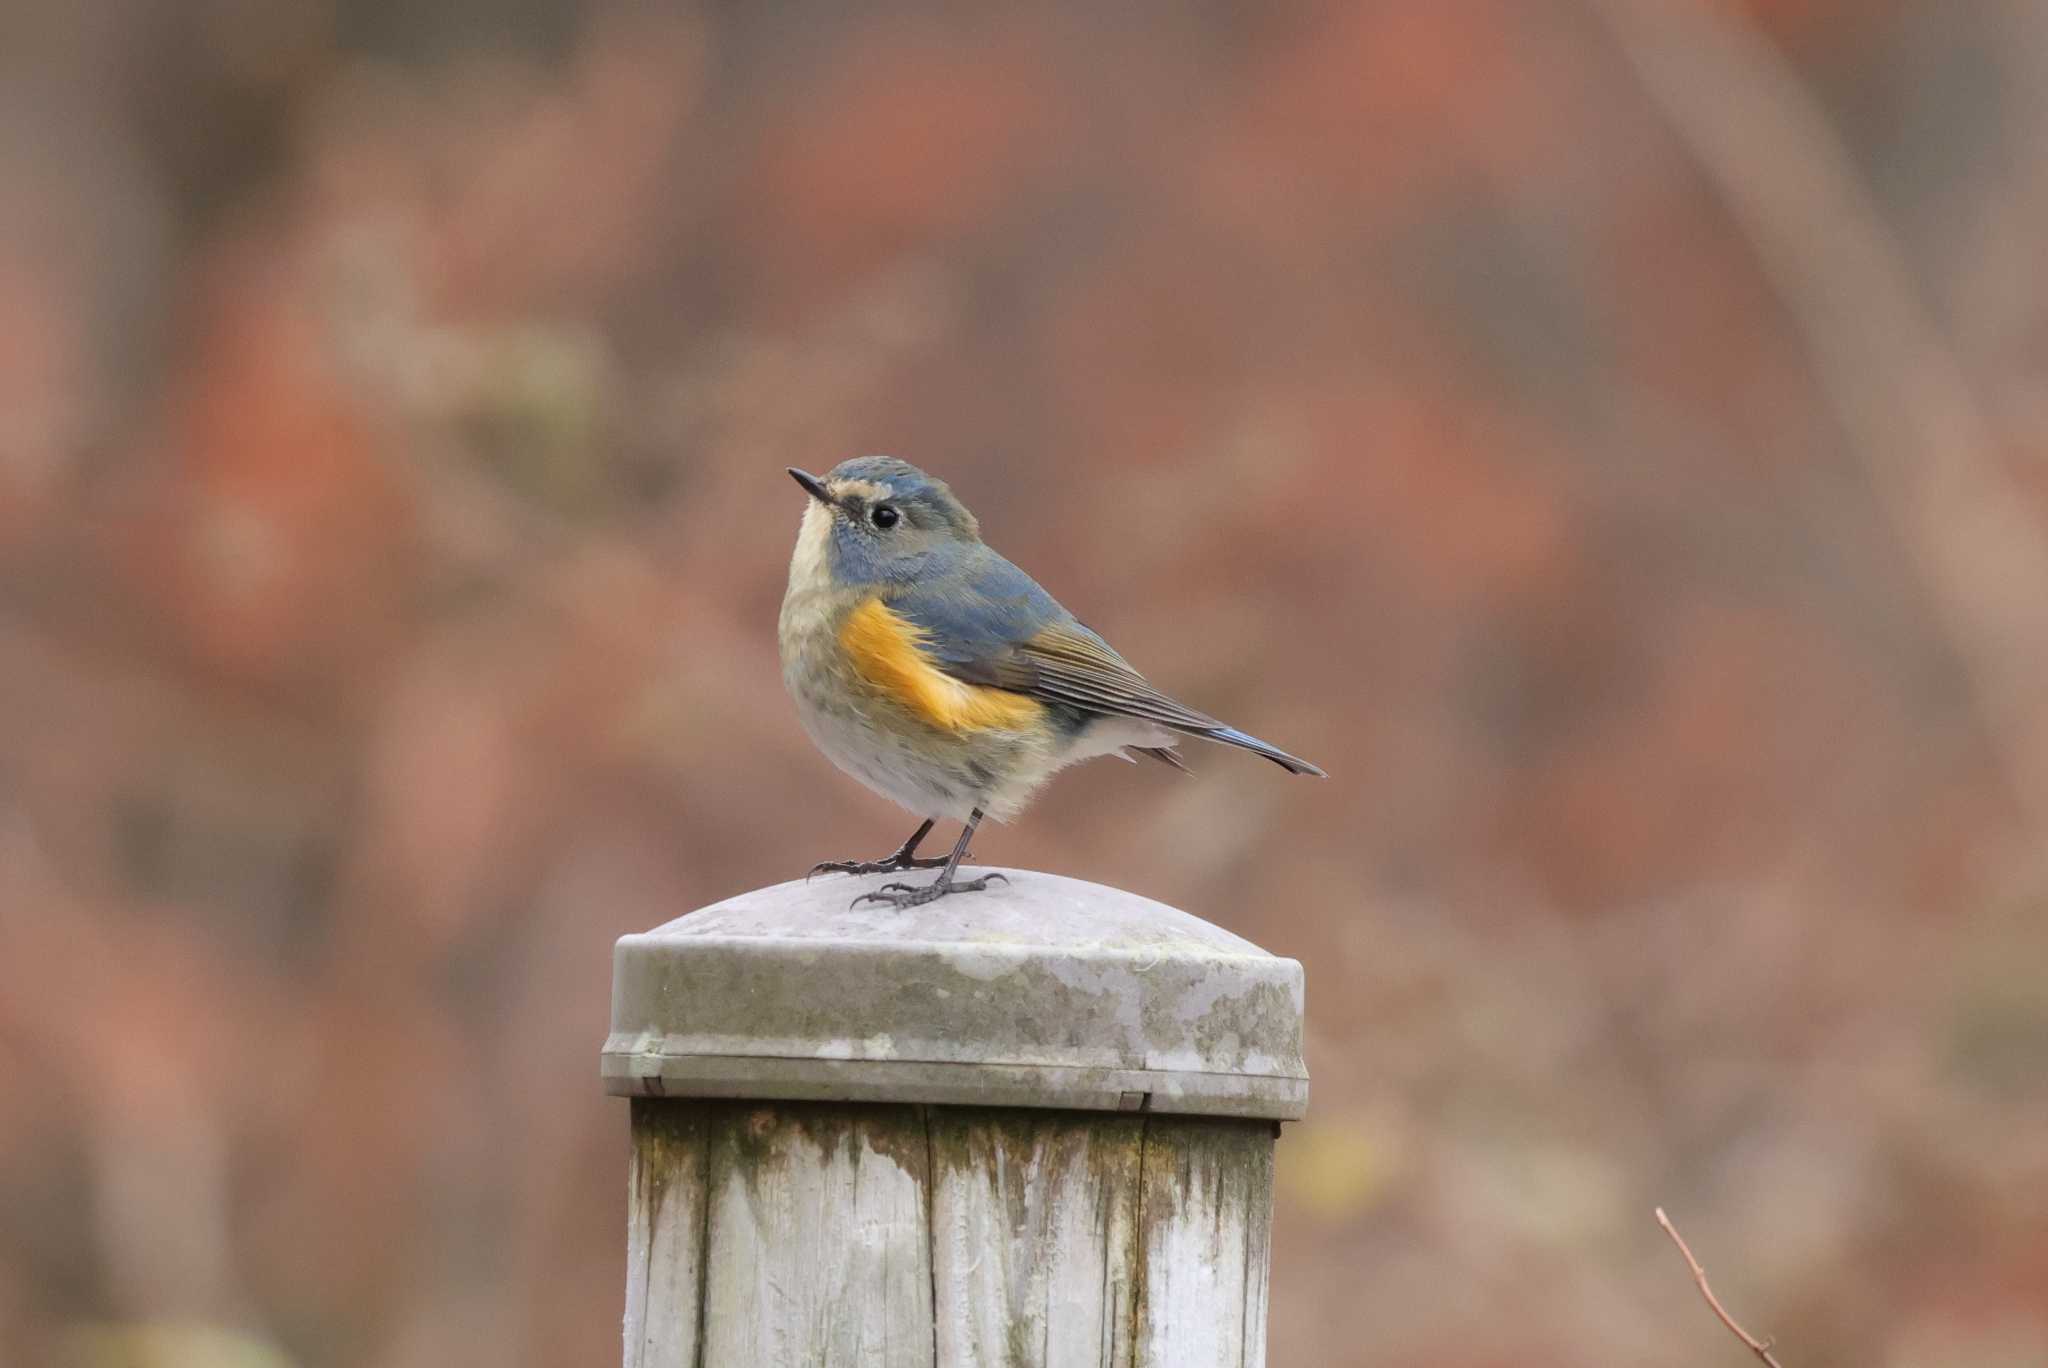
x: 1607, y: 435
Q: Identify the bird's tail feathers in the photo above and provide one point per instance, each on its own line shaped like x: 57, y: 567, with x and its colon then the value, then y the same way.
x: 1293, y: 764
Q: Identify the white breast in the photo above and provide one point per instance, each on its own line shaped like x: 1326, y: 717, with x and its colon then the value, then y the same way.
x: 809, y: 564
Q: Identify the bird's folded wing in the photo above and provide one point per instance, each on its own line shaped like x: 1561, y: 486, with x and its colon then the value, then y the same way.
x: 1019, y: 646
x: 1069, y: 664
x: 996, y: 627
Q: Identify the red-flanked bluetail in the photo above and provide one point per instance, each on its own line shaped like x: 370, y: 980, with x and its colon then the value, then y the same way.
x: 940, y: 675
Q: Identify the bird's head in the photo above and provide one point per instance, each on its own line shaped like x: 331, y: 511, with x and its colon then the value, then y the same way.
x: 878, y: 520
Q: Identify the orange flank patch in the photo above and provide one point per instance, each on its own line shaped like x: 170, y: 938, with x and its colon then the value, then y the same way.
x: 884, y: 649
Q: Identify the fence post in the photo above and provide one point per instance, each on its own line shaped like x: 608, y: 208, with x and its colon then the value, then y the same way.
x: 1027, y: 1126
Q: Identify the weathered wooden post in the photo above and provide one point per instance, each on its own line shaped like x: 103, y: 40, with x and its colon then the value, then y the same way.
x: 1027, y: 1126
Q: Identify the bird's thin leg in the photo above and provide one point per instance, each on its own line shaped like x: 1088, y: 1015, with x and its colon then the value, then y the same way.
x: 912, y: 895
x: 904, y: 858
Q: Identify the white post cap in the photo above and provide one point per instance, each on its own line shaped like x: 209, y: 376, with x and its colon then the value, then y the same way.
x: 1043, y: 992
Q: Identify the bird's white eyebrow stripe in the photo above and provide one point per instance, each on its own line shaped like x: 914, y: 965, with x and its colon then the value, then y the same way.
x: 865, y: 489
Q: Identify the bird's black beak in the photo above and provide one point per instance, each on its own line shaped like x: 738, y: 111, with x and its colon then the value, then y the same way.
x: 813, y: 486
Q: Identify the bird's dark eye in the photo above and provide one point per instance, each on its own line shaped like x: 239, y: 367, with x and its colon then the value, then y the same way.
x: 884, y: 516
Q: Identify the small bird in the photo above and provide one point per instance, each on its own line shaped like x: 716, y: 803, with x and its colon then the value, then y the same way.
x: 940, y: 675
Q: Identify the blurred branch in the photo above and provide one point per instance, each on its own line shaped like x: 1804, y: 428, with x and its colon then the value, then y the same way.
x: 1761, y: 1348
x: 1895, y: 385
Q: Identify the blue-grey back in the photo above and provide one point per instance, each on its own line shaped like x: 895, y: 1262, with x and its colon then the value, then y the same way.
x: 980, y: 607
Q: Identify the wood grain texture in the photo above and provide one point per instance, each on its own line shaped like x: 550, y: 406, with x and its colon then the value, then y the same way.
x: 1034, y: 1251
x: 664, y: 1235
x: 794, y: 1235
x: 1205, y: 1216
x: 818, y: 1252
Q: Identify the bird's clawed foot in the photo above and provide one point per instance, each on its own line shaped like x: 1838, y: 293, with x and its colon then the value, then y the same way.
x: 904, y: 858
x: 894, y: 864
x: 901, y: 895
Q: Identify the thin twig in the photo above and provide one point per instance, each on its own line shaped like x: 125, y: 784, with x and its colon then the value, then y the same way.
x: 1761, y: 1348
